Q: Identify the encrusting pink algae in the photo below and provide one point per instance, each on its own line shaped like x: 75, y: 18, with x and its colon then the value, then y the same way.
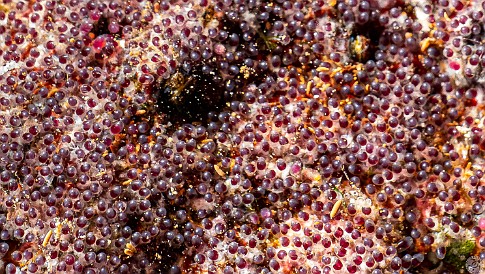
x: 242, y: 136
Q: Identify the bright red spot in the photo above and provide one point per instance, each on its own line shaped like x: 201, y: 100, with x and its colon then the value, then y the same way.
x: 454, y: 65
x: 100, y: 42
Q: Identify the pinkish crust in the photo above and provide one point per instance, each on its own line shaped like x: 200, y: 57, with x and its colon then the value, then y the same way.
x: 241, y: 136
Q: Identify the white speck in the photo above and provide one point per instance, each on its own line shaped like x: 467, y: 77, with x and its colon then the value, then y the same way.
x: 9, y: 66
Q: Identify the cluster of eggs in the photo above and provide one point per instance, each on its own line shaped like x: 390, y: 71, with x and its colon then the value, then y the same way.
x: 240, y: 136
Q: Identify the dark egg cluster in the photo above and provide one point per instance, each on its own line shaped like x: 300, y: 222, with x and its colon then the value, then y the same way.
x: 242, y: 136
